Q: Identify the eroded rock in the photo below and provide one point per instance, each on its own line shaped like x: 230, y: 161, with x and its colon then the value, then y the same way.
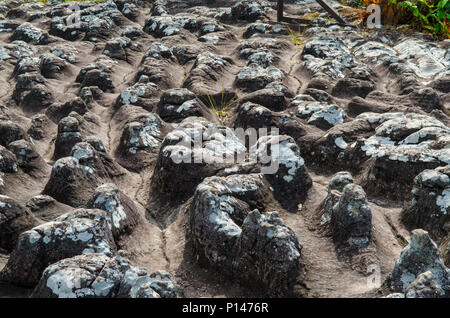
x: 242, y: 243
x: 14, y: 219
x: 421, y: 255
x: 351, y: 219
x: 430, y: 206
x: 79, y: 232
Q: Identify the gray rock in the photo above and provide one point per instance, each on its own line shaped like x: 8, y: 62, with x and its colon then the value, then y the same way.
x: 255, y: 116
x: 247, y: 10
x: 97, y: 74
x: 27, y: 157
x: 37, y: 129
x: 30, y: 34
x: 430, y: 207
x: 195, y: 150
x: 351, y: 219
x: 421, y: 255
x: 14, y: 219
x: 255, y: 77
x: 117, y: 48
x: 335, y: 188
x: 266, y: 246
x: 401, y: 148
x: 100, y: 276
x: 425, y: 286
x: 80, y: 232
x: 161, y: 26
x: 257, y: 249
x: 10, y: 132
x: 256, y: 28
x: 271, y: 98
x: 178, y: 104
x: 71, y: 183
x: 286, y: 171
x: 132, y: 32
x: 8, y: 161
x: 120, y: 209
x: 75, y: 107
x: 51, y: 65
x: 141, y: 139
x: 140, y: 94
x: 93, y: 157
x: 321, y: 115
x: 203, y: 76
x: 69, y: 135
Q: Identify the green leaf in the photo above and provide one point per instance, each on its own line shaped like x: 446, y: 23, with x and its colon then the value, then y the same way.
x: 442, y: 4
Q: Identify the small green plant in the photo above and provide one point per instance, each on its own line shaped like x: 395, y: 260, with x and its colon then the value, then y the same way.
x: 219, y: 106
x: 296, y: 37
x: 430, y: 16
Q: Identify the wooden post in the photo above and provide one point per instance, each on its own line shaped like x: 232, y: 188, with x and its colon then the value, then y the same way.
x: 323, y: 4
x: 332, y: 12
x: 280, y: 10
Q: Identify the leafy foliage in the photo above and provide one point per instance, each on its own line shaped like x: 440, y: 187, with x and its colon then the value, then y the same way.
x: 428, y: 16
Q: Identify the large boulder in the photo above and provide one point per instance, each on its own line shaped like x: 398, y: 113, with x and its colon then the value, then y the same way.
x: 321, y: 115
x: 351, y: 219
x: 195, y: 150
x: 97, y: 74
x: 421, y: 255
x: 69, y: 134
x: 120, y: 209
x: 268, y: 255
x: 430, y: 207
x: 79, y: 232
x: 46, y: 208
x: 141, y: 140
x: 58, y: 111
x: 38, y: 127
x: 28, y: 159
x: 143, y: 94
x: 255, y: 77
x: 255, y: 116
x: 246, y: 10
x: 100, y: 276
x: 14, y: 219
x: 257, y: 249
x: 425, y: 286
x: 284, y: 168
x: 204, y: 76
x: 400, y: 149
x: 71, y: 182
x: 9, y: 132
x: 271, y: 98
x: 178, y: 104
x: 335, y: 188
x: 8, y: 161
x: 29, y: 33
x: 92, y: 154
